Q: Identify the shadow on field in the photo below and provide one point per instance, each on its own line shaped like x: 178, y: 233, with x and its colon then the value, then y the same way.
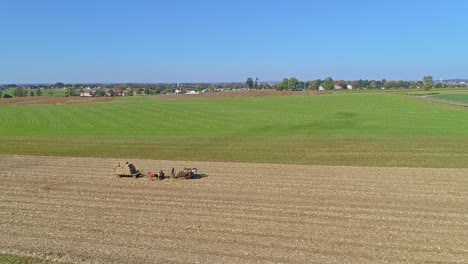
x: 130, y: 176
x: 167, y: 177
x: 198, y: 176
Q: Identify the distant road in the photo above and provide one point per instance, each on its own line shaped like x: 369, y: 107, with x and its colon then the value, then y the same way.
x: 443, y: 101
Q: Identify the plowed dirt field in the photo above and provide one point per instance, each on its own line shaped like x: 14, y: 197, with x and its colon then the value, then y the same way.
x: 240, y: 94
x: 74, y: 209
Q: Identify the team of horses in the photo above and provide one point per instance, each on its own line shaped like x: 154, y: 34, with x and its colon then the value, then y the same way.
x: 186, y: 173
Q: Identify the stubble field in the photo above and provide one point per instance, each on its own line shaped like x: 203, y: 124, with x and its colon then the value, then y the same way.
x: 75, y: 210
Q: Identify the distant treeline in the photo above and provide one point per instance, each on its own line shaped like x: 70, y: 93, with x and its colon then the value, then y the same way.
x: 293, y: 84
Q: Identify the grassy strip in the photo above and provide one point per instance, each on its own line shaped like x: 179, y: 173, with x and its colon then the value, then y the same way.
x: 14, y: 259
x: 45, y: 92
x: 435, y: 152
x: 453, y: 97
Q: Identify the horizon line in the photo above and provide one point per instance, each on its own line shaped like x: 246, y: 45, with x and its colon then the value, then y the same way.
x: 207, y: 82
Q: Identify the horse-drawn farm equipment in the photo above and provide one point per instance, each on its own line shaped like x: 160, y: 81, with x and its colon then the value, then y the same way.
x: 122, y: 169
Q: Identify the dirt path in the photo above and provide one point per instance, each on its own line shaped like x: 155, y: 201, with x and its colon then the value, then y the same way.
x: 74, y: 209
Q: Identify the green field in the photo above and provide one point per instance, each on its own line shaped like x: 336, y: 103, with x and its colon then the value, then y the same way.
x: 364, y: 129
x: 55, y: 92
x: 453, y: 97
x: 45, y: 92
x: 14, y: 259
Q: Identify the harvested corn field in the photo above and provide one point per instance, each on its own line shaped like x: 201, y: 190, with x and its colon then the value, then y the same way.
x: 75, y: 210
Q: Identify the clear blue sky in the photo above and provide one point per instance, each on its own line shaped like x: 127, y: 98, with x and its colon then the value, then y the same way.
x: 48, y: 41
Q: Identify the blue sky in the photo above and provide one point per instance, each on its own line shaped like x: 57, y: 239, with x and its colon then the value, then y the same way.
x: 213, y: 41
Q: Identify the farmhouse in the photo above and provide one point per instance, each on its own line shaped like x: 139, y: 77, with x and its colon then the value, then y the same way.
x: 191, y: 92
x: 86, y: 93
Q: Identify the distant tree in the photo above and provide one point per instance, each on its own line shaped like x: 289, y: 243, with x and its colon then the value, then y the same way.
x: 328, y: 84
x: 50, y: 92
x: 60, y: 85
x: 419, y: 85
x: 265, y: 86
x: 121, y: 88
x: 293, y: 84
x: 100, y: 92
x: 303, y: 85
x: 31, y: 92
x: 1, y: 94
x: 249, y: 83
x: 39, y: 91
x: 389, y: 85
x: 70, y: 91
x: 256, y: 84
x: 399, y: 84
x: 19, y: 92
x: 364, y: 83
x: 7, y: 96
x: 283, y: 85
x: 355, y: 84
x: 428, y: 83
x: 314, y: 85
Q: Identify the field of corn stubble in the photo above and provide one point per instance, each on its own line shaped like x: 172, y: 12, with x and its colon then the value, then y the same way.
x: 74, y: 210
